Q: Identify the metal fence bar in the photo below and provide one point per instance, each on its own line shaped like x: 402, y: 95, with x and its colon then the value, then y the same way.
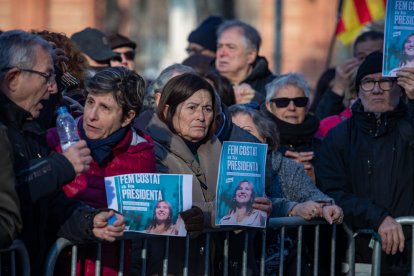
x: 166, y: 253
x: 144, y: 256
x: 282, y: 250
x: 73, y: 260
x: 316, y: 251
x: 333, y: 250
x: 226, y: 255
x: 245, y: 248
x: 350, y: 251
x: 98, y: 262
x: 121, y: 258
x: 186, y: 255
x: 299, y: 255
x: 262, y: 259
x: 207, y: 254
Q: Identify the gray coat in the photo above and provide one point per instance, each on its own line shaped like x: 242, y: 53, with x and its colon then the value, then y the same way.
x: 290, y: 185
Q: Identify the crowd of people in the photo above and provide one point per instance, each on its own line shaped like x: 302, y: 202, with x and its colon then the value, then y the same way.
x: 345, y: 157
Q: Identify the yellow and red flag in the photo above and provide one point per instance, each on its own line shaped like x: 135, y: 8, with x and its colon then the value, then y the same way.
x: 355, y: 14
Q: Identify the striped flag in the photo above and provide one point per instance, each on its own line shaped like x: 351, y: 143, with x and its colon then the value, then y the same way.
x: 355, y: 14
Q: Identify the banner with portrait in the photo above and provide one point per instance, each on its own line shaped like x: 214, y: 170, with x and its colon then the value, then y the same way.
x: 398, y: 36
x: 151, y: 203
x: 241, y: 179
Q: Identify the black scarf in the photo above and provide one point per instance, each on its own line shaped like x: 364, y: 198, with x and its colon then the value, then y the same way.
x: 101, y: 149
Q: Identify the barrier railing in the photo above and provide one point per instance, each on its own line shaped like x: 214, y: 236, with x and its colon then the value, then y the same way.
x: 16, y: 249
x: 274, y: 223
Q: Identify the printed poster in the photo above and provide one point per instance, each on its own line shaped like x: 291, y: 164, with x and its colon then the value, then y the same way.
x: 398, y: 36
x: 151, y: 203
x: 241, y: 179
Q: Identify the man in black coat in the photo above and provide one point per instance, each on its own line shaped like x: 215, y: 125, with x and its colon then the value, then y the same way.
x: 26, y: 79
x: 366, y: 163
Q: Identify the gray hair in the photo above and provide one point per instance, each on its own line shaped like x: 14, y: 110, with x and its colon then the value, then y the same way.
x: 265, y: 126
x: 158, y: 84
x: 251, y: 36
x: 17, y: 49
x: 295, y: 79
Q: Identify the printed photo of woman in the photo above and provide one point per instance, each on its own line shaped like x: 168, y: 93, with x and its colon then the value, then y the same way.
x: 241, y: 210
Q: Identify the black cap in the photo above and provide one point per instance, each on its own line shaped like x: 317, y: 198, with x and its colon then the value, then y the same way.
x: 372, y: 64
x: 94, y: 43
x: 205, y: 34
x: 118, y: 41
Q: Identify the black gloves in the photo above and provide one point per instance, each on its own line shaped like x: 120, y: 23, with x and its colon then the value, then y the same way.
x: 193, y: 219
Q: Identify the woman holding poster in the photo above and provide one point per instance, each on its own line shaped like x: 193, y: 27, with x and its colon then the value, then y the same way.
x: 241, y: 210
x: 114, y: 96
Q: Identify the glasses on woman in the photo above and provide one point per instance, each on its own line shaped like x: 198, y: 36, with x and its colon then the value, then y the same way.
x: 385, y: 84
x: 284, y: 102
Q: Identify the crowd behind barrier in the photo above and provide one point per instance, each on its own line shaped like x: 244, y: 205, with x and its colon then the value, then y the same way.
x: 18, y: 261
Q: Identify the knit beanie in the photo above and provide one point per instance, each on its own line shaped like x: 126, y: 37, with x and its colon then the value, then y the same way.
x: 372, y: 64
x: 205, y: 34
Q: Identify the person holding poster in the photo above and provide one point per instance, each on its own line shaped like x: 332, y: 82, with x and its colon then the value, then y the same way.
x: 162, y: 220
x: 241, y: 209
x: 114, y: 96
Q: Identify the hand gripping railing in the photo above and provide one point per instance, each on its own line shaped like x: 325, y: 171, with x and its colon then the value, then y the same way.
x: 273, y: 223
x: 376, y: 254
x: 23, y: 258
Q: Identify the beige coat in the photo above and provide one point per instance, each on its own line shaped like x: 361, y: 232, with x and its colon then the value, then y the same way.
x: 174, y: 156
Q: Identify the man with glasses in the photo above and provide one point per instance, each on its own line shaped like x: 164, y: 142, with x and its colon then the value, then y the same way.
x: 366, y: 163
x: 27, y: 79
x: 125, y: 48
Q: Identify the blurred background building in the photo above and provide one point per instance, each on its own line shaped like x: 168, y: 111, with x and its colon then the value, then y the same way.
x: 297, y: 34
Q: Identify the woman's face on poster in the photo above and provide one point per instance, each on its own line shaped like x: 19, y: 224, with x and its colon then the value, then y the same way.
x: 244, y: 192
x: 409, y: 46
x: 162, y: 211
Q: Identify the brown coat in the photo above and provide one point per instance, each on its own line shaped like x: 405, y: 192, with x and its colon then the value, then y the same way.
x: 173, y: 156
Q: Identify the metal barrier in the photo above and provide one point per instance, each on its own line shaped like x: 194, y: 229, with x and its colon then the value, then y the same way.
x: 273, y: 223
x: 17, y: 248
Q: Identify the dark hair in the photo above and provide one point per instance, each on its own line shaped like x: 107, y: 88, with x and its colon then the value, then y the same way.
x: 368, y: 35
x: 321, y: 87
x: 223, y: 87
x: 233, y: 204
x: 154, y: 221
x: 178, y: 90
x: 127, y: 87
x: 266, y: 127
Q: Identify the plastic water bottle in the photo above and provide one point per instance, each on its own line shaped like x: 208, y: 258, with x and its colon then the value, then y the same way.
x: 66, y: 128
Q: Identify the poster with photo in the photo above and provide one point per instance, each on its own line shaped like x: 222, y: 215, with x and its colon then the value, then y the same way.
x: 151, y: 203
x: 241, y: 179
x: 398, y: 37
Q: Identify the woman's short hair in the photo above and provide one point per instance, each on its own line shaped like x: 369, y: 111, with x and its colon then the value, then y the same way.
x: 404, y: 57
x: 178, y: 90
x: 266, y: 127
x: 127, y: 87
x: 295, y: 79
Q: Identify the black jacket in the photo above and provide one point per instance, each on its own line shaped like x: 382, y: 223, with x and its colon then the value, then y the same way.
x: 366, y: 164
x: 330, y: 104
x: 40, y: 175
x: 259, y: 77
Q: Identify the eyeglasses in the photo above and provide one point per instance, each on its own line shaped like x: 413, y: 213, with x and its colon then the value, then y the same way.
x: 130, y: 55
x: 50, y: 78
x: 385, y: 84
x: 284, y: 102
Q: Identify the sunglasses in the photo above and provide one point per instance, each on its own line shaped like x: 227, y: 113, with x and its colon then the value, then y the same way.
x: 130, y: 55
x: 284, y: 102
